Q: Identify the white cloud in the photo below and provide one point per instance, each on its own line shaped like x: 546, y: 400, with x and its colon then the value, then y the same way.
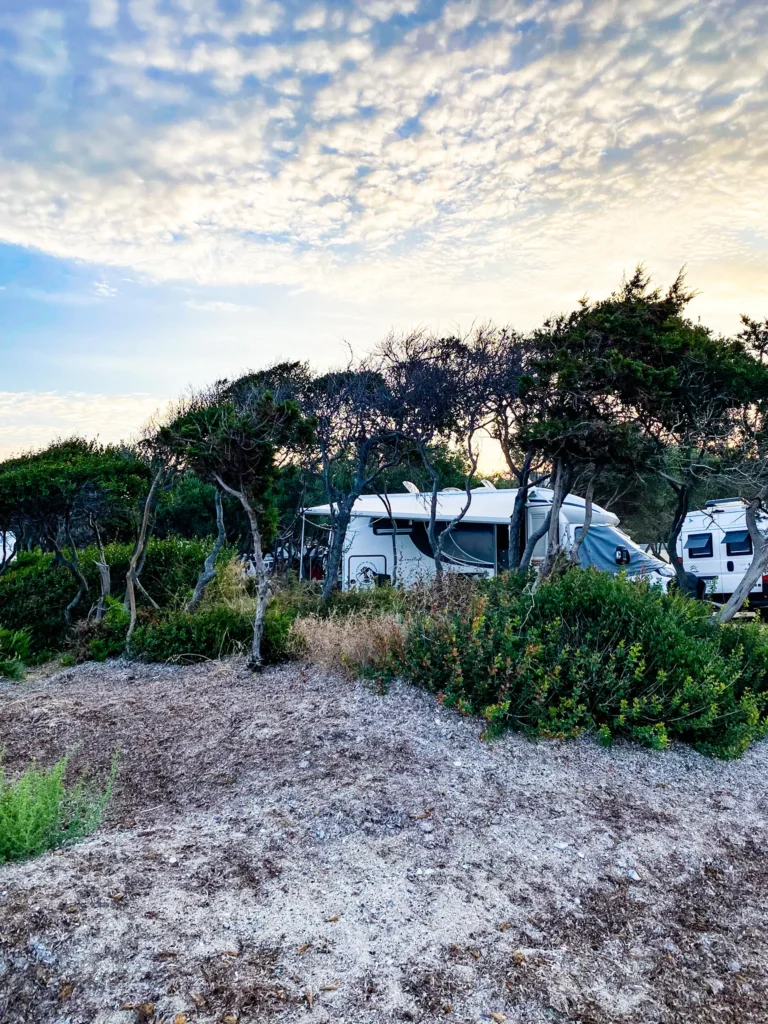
x: 312, y: 18
x: 31, y: 419
x: 217, y: 306
x: 543, y: 152
x: 104, y: 13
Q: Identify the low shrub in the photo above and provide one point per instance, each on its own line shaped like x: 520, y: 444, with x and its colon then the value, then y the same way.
x: 591, y: 651
x: 356, y: 644
x: 14, y: 652
x: 90, y: 640
x: 35, y: 590
x: 40, y: 812
x: 215, y: 631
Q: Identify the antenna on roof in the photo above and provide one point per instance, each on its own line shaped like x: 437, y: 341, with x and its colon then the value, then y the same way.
x: 488, y: 485
x: 411, y: 488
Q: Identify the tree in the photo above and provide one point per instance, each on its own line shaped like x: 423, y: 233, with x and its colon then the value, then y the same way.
x: 235, y: 436
x: 627, y: 380
x: 68, y: 488
x: 439, y: 390
x: 357, y: 440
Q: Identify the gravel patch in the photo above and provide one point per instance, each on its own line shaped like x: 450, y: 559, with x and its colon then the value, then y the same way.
x: 296, y: 847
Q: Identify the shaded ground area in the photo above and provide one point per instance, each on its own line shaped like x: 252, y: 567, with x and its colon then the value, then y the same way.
x: 296, y: 847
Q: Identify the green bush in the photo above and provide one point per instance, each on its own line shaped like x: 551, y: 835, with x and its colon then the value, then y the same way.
x: 14, y: 652
x: 40, y: 812
x: 97, y: 641
x: 591, y: 651
x: 215, y: 631
x: 35, y: 591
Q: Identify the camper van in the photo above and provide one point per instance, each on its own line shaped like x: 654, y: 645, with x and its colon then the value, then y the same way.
x: 715, y: 546
x: 479, y: 544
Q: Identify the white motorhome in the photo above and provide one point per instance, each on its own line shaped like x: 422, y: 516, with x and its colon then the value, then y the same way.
x: 715, y: 546
x: 479, y: 544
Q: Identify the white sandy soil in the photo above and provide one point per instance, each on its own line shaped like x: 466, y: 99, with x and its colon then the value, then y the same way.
x: 295, y: 847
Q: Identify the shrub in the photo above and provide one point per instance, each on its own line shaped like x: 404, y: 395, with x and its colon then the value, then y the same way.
x: 215, y: 631
x: 14, y: 652
x: 356, y: 644
x: 97, y: 641
x: 35, y: 591
x: 40, y: 812
x: 591, y: 651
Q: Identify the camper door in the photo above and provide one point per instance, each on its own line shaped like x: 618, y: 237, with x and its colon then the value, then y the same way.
x: 535, y: 520
x: 701, y: 549
x: 736, y: 556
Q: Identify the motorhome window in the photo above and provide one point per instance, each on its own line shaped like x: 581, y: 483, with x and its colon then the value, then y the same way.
x: 386, y: 526
x: 738, y: 542
x: 699, y: 545
x: 467, y: 544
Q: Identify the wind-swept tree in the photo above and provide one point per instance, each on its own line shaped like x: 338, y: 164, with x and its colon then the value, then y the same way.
x: 357, y: 440
x: 67, y: 490
x: 236, y: 436
x: 439, y: 390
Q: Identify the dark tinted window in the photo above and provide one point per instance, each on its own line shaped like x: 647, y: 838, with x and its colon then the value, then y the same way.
x: 738, y: 542
x: 699, y: 545
x: 467, y: 543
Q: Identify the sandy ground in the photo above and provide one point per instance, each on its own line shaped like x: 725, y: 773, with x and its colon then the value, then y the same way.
x: 296, y: 847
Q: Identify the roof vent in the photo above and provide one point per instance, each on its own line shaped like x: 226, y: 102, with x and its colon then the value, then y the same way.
x: 488, y: 485
x: 453, y: 490
x: 411, y: 487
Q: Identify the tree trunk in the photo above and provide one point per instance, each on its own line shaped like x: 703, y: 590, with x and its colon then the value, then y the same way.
x: 517, y: 519
x: 73, y: 565
x: 756, y: 568
x: 681, y: 511
x: 255, y: 659
x: 574, y: 553
x: 139, y: 553
x: 208, y: 573
x: 563, y: 476
x: 336, y: 548
x: 8, y: 555
x: 105, y: 577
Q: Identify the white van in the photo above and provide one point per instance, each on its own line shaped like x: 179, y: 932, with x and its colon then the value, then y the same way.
x: 715, y: 546
x: 479, y: 544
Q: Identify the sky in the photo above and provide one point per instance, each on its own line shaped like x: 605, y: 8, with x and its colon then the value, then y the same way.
x: 190, y: 188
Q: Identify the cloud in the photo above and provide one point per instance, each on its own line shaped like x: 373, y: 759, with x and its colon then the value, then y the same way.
x: 467, y: 152
x: 31, y: 419
x: 104, y: 13
x: 216, y: 306
x: 312, y: 18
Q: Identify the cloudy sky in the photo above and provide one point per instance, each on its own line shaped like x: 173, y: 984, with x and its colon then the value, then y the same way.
x: 192, y: 187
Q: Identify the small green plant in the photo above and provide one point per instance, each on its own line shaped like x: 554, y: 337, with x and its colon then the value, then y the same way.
x: 39, y: 812
x: 14, y: 652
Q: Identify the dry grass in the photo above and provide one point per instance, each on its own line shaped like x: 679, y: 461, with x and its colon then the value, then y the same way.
x: 350, y: 643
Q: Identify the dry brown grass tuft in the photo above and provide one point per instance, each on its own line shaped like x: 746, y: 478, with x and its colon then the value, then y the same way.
x: 351, y: 643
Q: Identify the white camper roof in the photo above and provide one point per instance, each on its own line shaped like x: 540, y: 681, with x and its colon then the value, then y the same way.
x: 488, y: 506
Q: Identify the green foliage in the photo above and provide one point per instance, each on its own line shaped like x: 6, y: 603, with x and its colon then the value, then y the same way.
x: 40, y: 812
x: 35, y: 590
x: 14, y: 652
x: 97, y: 641
x: 71, y: 478
x: 593, y: 652
x: 215, y: 631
